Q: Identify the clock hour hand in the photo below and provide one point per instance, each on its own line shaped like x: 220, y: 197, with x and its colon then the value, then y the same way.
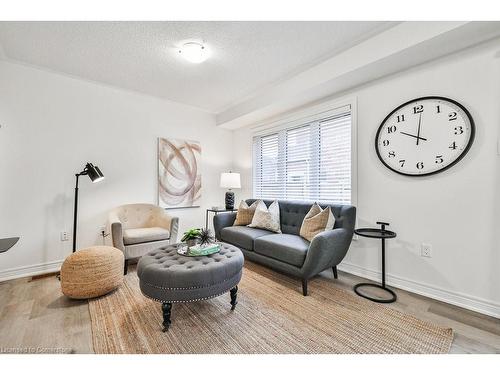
x: 414, y: 136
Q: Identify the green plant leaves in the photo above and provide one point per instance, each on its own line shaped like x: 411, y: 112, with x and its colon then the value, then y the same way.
x: 191, y: 234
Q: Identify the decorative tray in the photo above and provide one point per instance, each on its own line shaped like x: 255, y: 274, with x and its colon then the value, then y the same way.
x: 198, y: 250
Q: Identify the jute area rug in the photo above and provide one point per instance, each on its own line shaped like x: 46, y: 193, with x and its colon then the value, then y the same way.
x: 272, y: 316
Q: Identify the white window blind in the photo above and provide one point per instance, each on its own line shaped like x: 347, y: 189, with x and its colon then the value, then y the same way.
x: 311, y: 161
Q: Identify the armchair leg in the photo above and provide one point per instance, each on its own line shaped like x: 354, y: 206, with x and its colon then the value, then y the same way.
x: 304, y: 287
x: 335, y: 273
x: 125, y: 268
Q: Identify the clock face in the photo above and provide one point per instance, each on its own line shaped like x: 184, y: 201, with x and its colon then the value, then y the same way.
x: 424, y: 136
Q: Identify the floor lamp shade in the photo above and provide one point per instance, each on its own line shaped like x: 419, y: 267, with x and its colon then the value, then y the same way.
x: 95, y: 175
x: 230, y: 181
x: 94, y: 172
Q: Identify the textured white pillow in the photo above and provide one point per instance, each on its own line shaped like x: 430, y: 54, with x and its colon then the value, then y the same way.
x: 267, y: 218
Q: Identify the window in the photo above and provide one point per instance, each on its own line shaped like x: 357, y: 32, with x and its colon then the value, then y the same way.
x: 306, y: 160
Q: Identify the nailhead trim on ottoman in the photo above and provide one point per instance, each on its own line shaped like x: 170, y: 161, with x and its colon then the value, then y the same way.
x: 92, y: 272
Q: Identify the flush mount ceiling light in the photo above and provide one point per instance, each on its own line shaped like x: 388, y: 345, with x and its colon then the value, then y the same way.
x: 194, y: 52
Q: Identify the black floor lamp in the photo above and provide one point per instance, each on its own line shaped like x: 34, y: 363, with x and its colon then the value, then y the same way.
x: 95, y: 175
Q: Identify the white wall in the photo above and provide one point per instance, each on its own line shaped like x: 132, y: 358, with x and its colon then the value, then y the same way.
x: 51, y: 125
x: 457, y: 211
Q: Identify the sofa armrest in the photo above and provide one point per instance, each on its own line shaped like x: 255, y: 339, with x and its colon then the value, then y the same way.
x: 116, y: 230
x: 327, y: 249
x: 171, y: 223
x: 223, y: 220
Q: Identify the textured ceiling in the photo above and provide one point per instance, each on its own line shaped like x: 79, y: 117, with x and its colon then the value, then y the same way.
x: 142, y: 56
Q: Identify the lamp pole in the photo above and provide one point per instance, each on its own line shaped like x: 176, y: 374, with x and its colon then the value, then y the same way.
x: 95, y: 175
x: 75, y: 210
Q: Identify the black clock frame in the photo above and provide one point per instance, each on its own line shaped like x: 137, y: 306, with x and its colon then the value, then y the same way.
x: 464, y: 152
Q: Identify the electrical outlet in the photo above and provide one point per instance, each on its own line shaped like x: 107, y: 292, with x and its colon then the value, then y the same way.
x: 64, y: 236
x: 426, y: 250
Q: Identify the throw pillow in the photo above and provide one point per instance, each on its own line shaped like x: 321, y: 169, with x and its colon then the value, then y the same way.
x: 245, y: 213
x: 316, y: 221
x: 267, y: 218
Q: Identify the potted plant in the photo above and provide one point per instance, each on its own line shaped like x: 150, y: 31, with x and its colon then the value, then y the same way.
x: 205, y: 237
x: 191, y: 237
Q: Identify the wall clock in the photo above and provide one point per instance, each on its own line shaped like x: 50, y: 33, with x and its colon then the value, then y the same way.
x: 425, y: 136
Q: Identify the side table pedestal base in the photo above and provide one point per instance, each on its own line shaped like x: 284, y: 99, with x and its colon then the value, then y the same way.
x: 374, y: 299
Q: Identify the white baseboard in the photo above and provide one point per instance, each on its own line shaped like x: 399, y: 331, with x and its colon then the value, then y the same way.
x: 480, y: 305
x: 459, y: 299
x: 32, y: 270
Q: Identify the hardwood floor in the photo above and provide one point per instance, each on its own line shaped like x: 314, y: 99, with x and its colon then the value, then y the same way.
x: 34, y: 314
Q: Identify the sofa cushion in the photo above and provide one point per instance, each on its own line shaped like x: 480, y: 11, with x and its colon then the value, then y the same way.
x: 316, y: 221
x: 141, y: 235
x: 245, y: 213
x: 267, y: 217
x: 287, y: 248
x: 242, y: 236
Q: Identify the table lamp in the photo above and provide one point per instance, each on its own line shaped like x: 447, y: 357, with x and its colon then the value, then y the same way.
x: 230, y: 181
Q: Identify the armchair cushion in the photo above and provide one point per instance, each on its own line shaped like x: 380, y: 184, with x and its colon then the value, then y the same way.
x: 141, y: 235
x: 287, y: 248
x: 242, y: 236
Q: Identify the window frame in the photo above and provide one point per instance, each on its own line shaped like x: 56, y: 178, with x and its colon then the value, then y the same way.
x: 312, y: 113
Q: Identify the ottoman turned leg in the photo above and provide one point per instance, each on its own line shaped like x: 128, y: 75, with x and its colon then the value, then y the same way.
x: 166, y: 308
x: 234, y: 295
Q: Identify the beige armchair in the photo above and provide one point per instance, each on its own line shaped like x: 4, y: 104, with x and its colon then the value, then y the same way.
x: 139, y: 228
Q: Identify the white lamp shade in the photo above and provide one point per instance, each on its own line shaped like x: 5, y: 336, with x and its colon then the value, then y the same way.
x: 230, y: 180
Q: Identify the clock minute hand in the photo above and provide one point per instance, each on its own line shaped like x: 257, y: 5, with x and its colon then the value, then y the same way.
x: 414, y: 136
x: 419, y: 123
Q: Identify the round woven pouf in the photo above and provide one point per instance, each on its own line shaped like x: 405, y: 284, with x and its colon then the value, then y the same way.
x: 92, y: 272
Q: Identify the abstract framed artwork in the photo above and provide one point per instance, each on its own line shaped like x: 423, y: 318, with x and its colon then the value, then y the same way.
x: 179, y: 173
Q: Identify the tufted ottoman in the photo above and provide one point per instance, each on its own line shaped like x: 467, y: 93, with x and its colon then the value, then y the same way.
x: 168, y: 277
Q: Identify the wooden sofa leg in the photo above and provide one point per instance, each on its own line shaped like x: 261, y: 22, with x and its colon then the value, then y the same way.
x: 335, y: 273
x: 304, y: 287
x: 125, y: 268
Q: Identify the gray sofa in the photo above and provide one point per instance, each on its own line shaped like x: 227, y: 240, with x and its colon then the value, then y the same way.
x: 288, y: 252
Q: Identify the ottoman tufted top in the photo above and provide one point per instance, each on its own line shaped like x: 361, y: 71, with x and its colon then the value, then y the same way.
x: 165, y: 269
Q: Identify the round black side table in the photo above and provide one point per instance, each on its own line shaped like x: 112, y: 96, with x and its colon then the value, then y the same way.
x: 382, y: 234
